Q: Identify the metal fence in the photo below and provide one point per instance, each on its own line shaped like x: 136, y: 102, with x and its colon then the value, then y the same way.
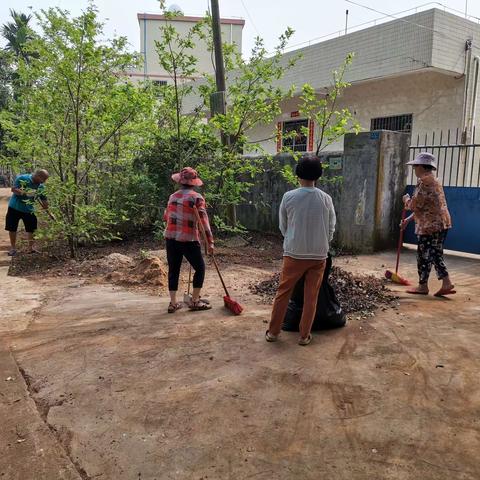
x: 458, y: 163
x: 6, y: 176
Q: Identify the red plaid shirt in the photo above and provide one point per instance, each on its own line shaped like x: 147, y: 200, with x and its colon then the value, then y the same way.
x: 180, y: 217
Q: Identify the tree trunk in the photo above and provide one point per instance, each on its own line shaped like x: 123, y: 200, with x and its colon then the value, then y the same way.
x: 72, y: 244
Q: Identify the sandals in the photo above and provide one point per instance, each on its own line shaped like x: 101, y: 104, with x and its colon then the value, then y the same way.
x: 305, y: 341
x: 270, y: 338
x: 442, y: 292
x: 173, y: 307
x: 414, y: 291
x: 445, y: 291
x: 302, y: 341
x: 199, y: 305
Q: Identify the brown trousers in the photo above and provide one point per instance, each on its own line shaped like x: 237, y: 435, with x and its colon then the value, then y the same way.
x: 292, y: 271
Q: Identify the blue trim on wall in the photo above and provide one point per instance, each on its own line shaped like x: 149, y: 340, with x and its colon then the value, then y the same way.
x: 464, y: 206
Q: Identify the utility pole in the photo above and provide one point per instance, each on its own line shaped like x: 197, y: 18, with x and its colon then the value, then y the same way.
x: 217, y: 47
x: 346, y: 21
x: 218, y: 101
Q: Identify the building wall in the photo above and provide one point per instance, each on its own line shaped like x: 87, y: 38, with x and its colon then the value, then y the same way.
x: 432, y: 38
x: 150, y: 31
x: 435, y: 100
x: 429, y: 40
x: 451, y: 33
x: 387, y: 49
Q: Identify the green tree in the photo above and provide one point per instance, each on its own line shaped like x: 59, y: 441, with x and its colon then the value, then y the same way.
x: 254, y: 98
x: 5, y: 79
x: 176, y: 55
x: 179, y: 138
x: 82, y: 120
x: 184, y: 137
x: 330, y: 122
x: 18, y: 35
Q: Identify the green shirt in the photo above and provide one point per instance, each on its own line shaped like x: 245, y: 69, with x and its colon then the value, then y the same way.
x: 25, y: 203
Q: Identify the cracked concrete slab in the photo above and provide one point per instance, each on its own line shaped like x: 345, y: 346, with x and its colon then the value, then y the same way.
x: 30, y: 451
x: 130, y: 392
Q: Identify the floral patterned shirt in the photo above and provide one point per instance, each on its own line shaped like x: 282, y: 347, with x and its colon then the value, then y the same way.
x: 430, y: 207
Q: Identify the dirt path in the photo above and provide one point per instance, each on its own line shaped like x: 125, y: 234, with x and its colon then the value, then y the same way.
x: 131, y: 392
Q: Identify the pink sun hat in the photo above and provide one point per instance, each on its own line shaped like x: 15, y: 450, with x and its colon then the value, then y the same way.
x: 188, y: 176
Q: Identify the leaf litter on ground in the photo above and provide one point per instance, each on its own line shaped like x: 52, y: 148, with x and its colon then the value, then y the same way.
x: 361, y: 294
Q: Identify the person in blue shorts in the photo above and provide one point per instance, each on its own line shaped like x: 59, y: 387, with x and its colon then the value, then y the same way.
x: 27, y: 190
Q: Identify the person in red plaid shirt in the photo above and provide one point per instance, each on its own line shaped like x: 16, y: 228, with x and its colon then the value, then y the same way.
x: 182, y: 237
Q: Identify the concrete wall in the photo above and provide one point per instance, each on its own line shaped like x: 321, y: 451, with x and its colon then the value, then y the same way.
x: 150, y: 31
x: 260, y: 211
x: 393, y: 153
x: 374, y: 180
x: 367, y: 202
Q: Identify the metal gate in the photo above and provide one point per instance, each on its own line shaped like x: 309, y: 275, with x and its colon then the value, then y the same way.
x: 459, y: 171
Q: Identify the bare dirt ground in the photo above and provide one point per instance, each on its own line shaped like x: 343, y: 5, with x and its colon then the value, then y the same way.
x: 99, y: 382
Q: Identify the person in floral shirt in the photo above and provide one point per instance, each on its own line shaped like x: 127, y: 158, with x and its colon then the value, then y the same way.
x: 432, y: 222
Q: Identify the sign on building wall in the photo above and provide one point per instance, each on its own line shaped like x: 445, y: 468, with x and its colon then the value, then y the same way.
x: 311, y: 132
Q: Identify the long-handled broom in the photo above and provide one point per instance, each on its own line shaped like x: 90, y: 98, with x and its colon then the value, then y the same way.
x: 394, y: 276
x: 187, y: 296
x: 228, y: 301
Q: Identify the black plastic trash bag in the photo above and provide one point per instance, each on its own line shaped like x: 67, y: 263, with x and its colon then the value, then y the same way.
x: 329, y: 313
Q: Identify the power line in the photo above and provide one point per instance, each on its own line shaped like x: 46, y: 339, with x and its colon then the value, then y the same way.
x: 397, y: 18
x: 250, y: 18
x: 355, y: 28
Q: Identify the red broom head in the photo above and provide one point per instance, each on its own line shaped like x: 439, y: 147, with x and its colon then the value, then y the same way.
x: 232, y: 305
x: 403, y: 281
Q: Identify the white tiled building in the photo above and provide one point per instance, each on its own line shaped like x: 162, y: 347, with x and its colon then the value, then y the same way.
x: 151, y: 31
x: 414, y: 74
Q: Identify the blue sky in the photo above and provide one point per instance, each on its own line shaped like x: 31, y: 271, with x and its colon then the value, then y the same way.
x: 268, y: 18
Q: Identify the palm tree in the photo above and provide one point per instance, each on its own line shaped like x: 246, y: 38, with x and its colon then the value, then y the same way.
x: 18, y: 33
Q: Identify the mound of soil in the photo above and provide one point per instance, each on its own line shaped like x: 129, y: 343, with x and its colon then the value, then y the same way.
x: 111, y: 263
x: 149, y: 271
x: 356, y: 293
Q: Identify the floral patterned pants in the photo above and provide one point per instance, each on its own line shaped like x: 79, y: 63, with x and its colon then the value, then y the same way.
x: 430, y: 251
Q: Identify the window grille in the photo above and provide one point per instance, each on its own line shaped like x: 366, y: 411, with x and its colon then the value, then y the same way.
x: 397, y: 123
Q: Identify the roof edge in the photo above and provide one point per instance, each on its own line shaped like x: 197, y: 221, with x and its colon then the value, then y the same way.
x: 183, y: 18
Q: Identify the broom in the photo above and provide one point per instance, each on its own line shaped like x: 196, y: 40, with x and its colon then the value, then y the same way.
x: 394, y: 276
x: 187, y: 297
x: 228, y: 302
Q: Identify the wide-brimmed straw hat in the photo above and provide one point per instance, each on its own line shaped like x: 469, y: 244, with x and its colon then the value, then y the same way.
x: 424, y: 158
x: 188, y: 176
